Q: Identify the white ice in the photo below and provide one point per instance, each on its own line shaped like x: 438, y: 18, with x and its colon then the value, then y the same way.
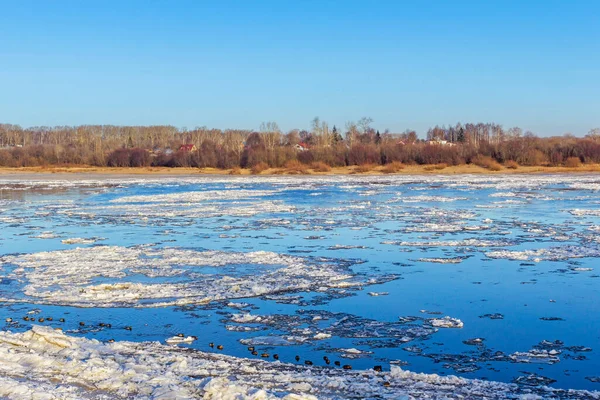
x: 72, y: 276
x: 43, y: 363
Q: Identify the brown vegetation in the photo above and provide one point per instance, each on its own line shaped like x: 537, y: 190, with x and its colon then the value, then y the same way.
x: 573, y: 162
x: 320, y: 149
x: 320, y: 166
x: 510, y: 164
x: 486, y: 162
x: 364, y: 168
x: 259, y: 167
x: 392, y: 167
x: 435, y: 167
x: 408, y: 170
x: 295, y: 167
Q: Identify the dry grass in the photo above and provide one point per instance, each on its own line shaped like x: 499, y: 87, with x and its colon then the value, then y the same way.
x: 295, y: 167
x: 435, y: 167
x: 573, y: 162
x: 392, y: 168
x: 235, y: 171
x: 83, y: 170
x: 362, y: 169
x: 487, y: 163
x: 510, y: 164
x: 320, y: 166
x: 258, y: 168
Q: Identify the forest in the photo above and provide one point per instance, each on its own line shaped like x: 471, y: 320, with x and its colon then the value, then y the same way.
x: 358, y: 143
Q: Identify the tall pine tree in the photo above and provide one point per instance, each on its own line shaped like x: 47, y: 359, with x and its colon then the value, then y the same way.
x: 336, y: 135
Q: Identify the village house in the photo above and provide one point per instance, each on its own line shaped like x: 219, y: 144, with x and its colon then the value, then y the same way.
x: 439, y: 142
x: 187, y: 147
x: 301, y: 146
x: 159, y: 150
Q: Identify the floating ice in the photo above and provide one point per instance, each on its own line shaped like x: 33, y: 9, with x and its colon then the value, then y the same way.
x: 549, y: 254
x: 533, y: 380
x: 352, y: 353
x: 195, y: 197
x: 46, y: 235
x: 70, y: 367
x: 345, y: 247
x: 429, y: 199
x: 72, y: 276
x: 321, y: 336
x: 81, y: 240
x: 435, y: 227
x: 267, y: 341
x: 455, y: 260
x: 246, y: 318
x: 536, y: 356
x: 446, y: 322
x: 579, y: 213
x: 178, y: 339
x: 144, y: 283
x: 492, y: 316
x: 474, y: 341
x: 454, y: 243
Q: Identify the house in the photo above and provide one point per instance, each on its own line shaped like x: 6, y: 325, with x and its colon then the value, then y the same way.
x: 439, y: 142
x: 301, y: 146
x: 156, y: 151
x: 187, y: 147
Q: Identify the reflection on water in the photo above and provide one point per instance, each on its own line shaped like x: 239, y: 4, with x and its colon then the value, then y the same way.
x: 358, y: 270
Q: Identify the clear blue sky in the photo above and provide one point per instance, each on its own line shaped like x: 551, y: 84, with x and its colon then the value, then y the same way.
x: 406, y: 64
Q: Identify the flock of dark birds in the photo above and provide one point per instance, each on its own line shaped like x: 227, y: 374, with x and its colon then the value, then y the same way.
x: 254, y: 352
x: 251, y: 349
x: 50, y: 319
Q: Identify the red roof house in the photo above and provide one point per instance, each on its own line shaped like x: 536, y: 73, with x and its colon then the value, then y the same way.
x: 187, y: 147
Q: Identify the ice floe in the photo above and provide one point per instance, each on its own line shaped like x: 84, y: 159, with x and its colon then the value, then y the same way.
x: 454, y: 243
x: 181, y: 339
x: 454, y: 260
x: 446, y: 322
x: 46, y: 235
x: 81, y: 240
x: 67, y: 367
x: 536, y: 356
x: 75, y: 276
x: 548, y: 254
x: 195, y: 197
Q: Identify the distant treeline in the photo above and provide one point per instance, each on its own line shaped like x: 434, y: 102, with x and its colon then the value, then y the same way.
x: 357, y: 144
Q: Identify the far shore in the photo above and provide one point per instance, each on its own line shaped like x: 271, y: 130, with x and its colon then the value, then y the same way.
x: 351, y: 170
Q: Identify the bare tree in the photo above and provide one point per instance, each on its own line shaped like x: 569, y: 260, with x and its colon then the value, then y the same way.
x: 352, y: 132
x: 271, y: 134
x: 593, y: 134
x: 365, y: 124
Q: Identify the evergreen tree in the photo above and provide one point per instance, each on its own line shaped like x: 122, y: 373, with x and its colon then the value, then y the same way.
x: 336, y: 136
x: 377, y: 137
x: 461, y: 135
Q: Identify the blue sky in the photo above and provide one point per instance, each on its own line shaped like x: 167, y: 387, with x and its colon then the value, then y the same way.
x: 406, y: 64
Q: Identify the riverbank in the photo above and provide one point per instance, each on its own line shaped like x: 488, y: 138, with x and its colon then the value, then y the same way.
x: 352, y: 170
